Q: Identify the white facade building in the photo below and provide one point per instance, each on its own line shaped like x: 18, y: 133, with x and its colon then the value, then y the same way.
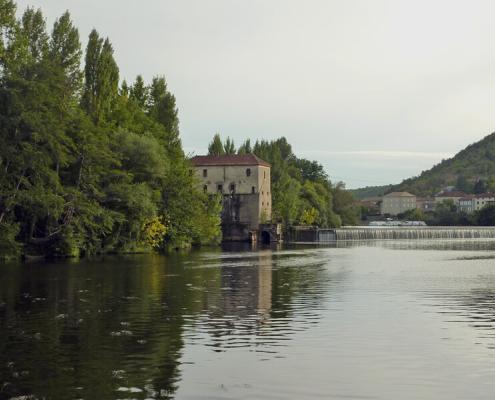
x: 397, y: 202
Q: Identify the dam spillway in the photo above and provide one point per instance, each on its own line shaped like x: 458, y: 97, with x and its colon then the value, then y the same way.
x: 388, y: 233
x: 313, y: 235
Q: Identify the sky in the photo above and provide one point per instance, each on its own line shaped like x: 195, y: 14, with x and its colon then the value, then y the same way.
x: 374, y: 90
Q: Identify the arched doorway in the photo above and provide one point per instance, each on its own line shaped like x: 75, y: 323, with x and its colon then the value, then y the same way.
x: 265, y: 237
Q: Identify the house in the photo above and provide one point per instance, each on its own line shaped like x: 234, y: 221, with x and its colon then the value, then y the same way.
x: 482, y: 200
x: 466, y: 204
x: 425, y: 204
x: 397, y: 202
x: 454, y: 196
x: 244, y: 183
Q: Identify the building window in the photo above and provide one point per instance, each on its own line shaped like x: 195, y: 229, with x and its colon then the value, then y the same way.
x: 248, y: 172
x: 264, y: 174
x: 262, y: 203
x: 232, y: 188
x: 205, y: 173
x: 205, y: 188
x: 253, y: 189
x: 220, y: 188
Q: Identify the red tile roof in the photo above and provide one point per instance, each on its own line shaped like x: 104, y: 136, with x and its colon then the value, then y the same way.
x: 451, y: 194
x: 228, y: 159
x: 399, y: 194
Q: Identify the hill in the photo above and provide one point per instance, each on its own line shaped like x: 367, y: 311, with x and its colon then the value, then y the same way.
x: 370, y: 191
x: 472, y: 170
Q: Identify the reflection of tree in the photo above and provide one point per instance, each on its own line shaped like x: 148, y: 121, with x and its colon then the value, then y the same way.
x: 86, y: 329
x: 96, y: 327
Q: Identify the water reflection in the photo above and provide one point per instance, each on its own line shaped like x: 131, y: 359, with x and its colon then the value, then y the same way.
x: 116, y: 327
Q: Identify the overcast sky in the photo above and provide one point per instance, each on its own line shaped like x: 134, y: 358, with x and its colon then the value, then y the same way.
x: 375, y: 90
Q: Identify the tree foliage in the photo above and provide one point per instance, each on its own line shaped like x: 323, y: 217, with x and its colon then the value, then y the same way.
x: 86, y: 167
x: 301, y: 190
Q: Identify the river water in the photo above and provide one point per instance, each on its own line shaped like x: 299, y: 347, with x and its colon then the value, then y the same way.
x: 377, y: 320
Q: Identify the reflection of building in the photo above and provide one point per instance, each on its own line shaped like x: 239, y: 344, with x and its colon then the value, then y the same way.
x: 248, y: 289
x: 244, y: 182
x: 398, y: 202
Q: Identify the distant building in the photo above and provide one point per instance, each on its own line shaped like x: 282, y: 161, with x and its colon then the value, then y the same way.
x: 482, y: 200
x: 454, y: 196
x: 244, y: 182
x: 425, y: 204
x: 397, y: 202
x: 372, y: 204
x: 467, y: 204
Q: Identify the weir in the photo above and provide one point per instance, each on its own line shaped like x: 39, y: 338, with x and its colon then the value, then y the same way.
x: 437, y: 232
x: 314, y: 235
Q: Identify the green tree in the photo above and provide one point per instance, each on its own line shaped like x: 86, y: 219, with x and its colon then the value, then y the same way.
x: 139, y: 92
x: 163, y: 109
x: 229, y: 146
x: 215, y: 148
x: 34, y: 31
x: 101, y: 78
x: 65, y: 51
x: 245, y: 148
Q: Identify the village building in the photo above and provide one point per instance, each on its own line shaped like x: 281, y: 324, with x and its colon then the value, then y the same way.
x: 466, y: 204
x: 244, y: 183
x: 397, y: 202
x: 482, y: 200
x: 425, y: 204
x: 454, y: 196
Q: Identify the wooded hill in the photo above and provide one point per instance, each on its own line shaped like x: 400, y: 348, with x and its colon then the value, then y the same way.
x: 472, y: 170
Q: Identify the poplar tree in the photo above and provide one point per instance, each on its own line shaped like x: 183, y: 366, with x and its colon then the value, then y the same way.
x: 101, y: 78
x: 245, y: 148
x: 65, y: 52
x: 215, y: 148
x: 139, y: 92
x: 229, y: 146
x: 34, y: 31
x: 163, y: 109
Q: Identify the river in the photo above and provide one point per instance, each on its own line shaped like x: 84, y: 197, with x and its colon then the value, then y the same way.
x: 377, y: 320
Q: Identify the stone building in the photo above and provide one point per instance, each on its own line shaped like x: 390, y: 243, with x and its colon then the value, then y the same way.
x: 244, y: 182
x: 483, y: 200
x: 453, y: 196
x: 397, y: 202
x: 425, y: 204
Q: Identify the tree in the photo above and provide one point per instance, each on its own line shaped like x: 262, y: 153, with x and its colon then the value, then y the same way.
x: 480, y: 186
x: 34, y: 31
x: 65, y: 51
x: 245, y: 148
x: 11, y: 42
x: 486, y: 216
x: 139, y: 92
x: 101, y: 78
x: 163, y: 109
x: 215, y: 148
x: 229, y: 146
